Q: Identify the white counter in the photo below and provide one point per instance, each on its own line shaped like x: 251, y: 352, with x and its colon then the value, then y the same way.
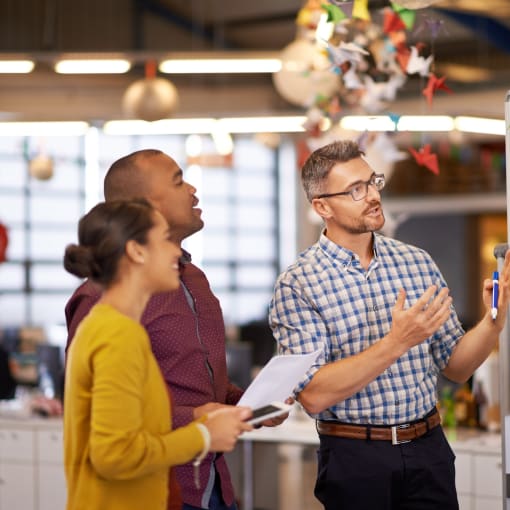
x: 302, y: 430
x: 31, y: 450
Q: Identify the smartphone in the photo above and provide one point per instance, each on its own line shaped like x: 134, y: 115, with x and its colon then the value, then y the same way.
x: 270, y: 411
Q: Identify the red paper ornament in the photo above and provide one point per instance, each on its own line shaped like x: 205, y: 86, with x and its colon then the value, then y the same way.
x: 434, y: 84
x: 392, y: 22
x: 4, y: 241
x: 426, y: 158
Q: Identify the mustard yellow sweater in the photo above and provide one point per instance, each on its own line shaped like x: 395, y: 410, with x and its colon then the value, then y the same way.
x: 118, y: 443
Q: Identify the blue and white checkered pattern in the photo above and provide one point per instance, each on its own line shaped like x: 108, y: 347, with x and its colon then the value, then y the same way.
x: 327, y: 301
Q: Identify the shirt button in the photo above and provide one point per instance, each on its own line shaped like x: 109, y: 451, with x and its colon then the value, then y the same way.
x: 375, y: 308
x: 397, y: 402
x: 389, y: 373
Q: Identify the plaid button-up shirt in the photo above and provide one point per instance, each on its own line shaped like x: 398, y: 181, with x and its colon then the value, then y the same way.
x: 327, y: 301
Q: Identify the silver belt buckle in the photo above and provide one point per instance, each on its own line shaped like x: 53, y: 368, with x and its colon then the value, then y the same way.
x: 394, y: 434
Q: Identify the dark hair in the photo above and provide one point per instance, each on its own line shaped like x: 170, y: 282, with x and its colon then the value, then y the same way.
x: 102, y: 236
x: 125, y: 179
x: 321, y: 161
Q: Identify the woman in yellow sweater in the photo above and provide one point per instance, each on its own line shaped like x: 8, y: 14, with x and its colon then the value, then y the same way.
x: 118, y: 442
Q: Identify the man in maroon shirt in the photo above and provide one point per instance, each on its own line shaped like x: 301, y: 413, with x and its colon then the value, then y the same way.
x: 185, y: 327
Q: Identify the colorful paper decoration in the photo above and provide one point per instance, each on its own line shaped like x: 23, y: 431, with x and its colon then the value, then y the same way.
x: 424, y: 157
x: 433, y: 85
x: 392, y: 22
x: 4, y: 241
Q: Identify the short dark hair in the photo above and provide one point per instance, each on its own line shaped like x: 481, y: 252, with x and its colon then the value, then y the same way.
x: 102, y: 236
x: 125, y: 179
x: 321, y: 161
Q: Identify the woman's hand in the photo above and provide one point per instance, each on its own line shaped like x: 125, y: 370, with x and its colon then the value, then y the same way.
x: 225, y: 425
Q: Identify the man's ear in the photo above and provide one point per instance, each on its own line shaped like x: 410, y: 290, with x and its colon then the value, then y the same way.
x: 135, y: 251
x: 321, y: 207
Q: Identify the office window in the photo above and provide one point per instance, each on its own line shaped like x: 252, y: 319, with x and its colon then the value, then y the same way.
x: 241, y: 230
x: 238, y: 249
x: 41, y: 217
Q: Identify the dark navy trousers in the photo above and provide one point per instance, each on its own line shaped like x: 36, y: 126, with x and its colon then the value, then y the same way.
x: 359, y: 474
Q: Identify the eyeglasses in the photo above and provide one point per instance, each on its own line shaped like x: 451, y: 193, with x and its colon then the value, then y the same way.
x: 360, y: 190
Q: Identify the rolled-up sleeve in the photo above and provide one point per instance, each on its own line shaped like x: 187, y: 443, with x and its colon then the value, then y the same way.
x: 296, y: 324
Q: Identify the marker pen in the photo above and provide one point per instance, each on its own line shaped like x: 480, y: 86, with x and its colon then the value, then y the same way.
x: 495, y: 292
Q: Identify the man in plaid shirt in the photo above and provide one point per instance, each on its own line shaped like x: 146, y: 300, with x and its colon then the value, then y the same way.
x: 381, y: 313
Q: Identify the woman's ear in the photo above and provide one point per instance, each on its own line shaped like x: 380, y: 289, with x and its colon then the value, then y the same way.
x: 321, y: 207
x: 135, y: 251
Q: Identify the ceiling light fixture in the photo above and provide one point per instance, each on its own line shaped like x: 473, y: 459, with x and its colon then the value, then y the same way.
x: 159, y: 127
x: 240, y: 125
x: 16, y: 66
x: 480, y: 125
x: 70, y: 128
x: 276, y: 124
x: 220, y: 65
x: 93, y: 66
x: 282, y: 124
x: 367, y: 123
x: 425, y: 123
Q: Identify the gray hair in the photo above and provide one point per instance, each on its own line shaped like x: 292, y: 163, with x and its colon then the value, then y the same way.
x: 318, y: 165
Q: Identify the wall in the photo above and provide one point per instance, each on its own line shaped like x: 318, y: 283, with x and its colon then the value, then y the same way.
x: 445, y: 238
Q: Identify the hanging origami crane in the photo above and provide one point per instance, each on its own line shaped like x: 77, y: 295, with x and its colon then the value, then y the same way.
x: 417, y: 64
x: 424, y: 157
x: 408, y: 16
x: 433, y: 85
x: 392, y: 22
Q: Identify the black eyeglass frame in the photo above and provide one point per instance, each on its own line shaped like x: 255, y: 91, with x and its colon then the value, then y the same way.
x: 378, y: 181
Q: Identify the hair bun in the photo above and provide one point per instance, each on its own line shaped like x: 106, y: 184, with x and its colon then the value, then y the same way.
x: 79, y: 260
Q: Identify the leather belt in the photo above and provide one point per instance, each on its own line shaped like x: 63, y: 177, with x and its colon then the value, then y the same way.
x: 397, y: 434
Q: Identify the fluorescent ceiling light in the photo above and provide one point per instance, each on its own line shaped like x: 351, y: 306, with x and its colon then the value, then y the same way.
x: 425, y: 123
x: 220, y: 65
x: 92, y: 66
x: 367, y: 123
x: 480, y: 125
x: 160, y: 127
x: 289, y: 124
x: 77, y: 128
x: 295, y: 124
x: 16, y: 66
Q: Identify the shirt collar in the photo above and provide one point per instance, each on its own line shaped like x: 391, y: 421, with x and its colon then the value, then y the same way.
x: 335, y: 251
x: 376, y: 237
x: 339, y: 253
x: 185, y: 258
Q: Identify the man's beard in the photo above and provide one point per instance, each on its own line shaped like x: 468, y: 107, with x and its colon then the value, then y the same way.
x: 365, y: 224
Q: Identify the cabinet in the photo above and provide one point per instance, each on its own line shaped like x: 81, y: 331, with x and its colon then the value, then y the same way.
x: 50, y: 475
x: 16, y: 468
x: 31, y: 465
x: 478, y: 470
x: 478, y: 466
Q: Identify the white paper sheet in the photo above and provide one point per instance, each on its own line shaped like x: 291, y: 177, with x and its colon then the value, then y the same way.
x: 277, y: 379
